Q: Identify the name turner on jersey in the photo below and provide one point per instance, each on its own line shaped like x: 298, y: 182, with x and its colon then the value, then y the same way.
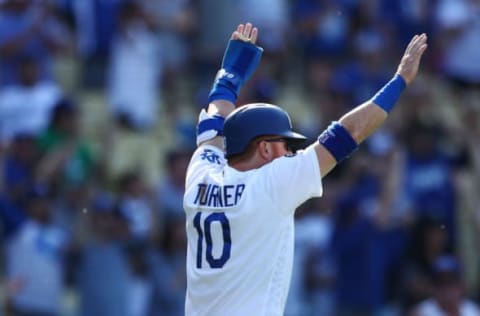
x: 213, y: 195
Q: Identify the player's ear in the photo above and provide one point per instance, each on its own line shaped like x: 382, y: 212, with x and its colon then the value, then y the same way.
x: 264, y: 150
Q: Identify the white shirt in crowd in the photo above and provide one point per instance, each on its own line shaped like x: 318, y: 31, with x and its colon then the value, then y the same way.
x: 134, y: 77
x: 26, y: 110
x: 34, y: 260
x: 431, y: 308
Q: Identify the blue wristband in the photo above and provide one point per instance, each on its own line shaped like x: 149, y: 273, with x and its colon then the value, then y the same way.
x: 390, y: 93
x: 338, y: 141
x: 239, y: 63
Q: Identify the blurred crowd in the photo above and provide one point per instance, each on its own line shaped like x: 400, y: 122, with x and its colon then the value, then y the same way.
x: 98, y: 103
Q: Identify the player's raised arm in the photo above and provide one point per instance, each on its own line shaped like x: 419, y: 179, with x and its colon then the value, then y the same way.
x: 342, y: 138
x: 240, y: 61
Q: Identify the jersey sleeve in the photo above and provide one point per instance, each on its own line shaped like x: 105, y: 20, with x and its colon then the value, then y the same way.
x: 205, y: 159
x: 291, y: 180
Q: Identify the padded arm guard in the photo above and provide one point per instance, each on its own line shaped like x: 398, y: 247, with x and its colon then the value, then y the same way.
x: 239, y: 63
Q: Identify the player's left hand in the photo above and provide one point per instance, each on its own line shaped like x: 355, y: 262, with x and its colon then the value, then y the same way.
x: 246, y: 33
x: 410, y: 62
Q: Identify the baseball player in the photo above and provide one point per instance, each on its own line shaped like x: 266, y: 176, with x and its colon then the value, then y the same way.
x: 244, y: 183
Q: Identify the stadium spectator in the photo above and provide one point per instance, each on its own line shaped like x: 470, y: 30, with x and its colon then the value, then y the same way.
x: 95, y: 24
x: 140, y: 285
x: 210, y: 39
x: 19, y: 172
x: 175, y: 26
x: 367, y: 240
x: 29, y: 28
x: 271, y: 16
x: 459, y: 25
x: 428, y: 241
x: 103, y: 272
x: 172, y: 186
x: 166, y: 264
x: 323, y: 28
x: 67, y: 158
x: 35, y: 260
x: 365, y: 73
x: 448, y: 296
x: 311, y: 288
x: 30, y: 94
x: 408, y: 17
x: 135, y: 69
x: 467, y: 186
x: 121, y: 152
x: 135, y: 205
x: 428, y: 176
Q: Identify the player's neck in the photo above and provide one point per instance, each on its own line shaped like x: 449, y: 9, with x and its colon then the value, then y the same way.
x: 250, y: 164
x: 259, y: 158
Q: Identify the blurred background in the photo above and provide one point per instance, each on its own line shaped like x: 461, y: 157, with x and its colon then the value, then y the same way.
x: 98, y: 105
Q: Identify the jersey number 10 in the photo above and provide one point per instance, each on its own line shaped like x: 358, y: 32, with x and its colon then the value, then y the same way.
x: 227, y: 241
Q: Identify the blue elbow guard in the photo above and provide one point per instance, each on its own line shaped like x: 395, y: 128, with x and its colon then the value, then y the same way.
x: 209, y: 126
x: 390, y: 93
x: 215, y: 123
x: 239, y: 63
x: 338, y: 141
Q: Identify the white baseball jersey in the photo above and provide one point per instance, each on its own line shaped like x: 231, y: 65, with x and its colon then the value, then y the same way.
x: 240, y: 231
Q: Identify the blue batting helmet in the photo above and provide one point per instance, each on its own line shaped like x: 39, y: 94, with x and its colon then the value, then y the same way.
x: 258, y: 119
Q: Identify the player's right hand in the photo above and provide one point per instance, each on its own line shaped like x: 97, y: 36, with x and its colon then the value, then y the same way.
x: 410, y: 61
x: 240, y: 60
x: 246, y: 33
